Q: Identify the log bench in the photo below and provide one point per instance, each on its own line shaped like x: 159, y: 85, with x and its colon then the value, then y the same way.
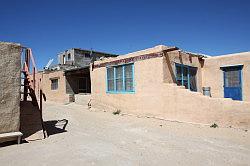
x: 11, y: 135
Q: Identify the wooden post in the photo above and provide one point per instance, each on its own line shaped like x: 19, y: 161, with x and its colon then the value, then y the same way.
x: 34, y: 78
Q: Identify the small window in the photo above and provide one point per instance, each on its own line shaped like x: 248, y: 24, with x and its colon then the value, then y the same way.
x: 54, y: 84
x: 87, y: 55
x: 64, y: 59
x: 120, y: 78
x: 69, y: 57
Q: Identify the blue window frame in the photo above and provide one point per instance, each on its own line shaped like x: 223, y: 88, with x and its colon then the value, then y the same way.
x: 186, y: 76
x: 120, y: 79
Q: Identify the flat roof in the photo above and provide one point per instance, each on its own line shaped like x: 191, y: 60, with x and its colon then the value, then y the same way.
x: 230, y: 55
x: 98, y: 52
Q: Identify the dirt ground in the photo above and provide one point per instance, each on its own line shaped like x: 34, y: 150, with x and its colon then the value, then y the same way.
x: 101, y: 138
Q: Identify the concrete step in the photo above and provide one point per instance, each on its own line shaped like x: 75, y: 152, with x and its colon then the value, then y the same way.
x: 82, y: 99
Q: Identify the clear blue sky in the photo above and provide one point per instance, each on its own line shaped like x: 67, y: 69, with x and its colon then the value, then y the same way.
x: 211, y: 27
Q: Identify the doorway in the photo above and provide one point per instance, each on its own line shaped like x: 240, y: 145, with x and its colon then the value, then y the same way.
x: 82, y: 85
x: 232, y: 82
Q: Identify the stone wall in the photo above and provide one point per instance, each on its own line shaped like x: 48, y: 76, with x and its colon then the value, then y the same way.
x: 10, y: 80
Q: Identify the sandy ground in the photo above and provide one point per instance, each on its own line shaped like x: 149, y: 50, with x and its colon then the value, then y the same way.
x: 101, y: 138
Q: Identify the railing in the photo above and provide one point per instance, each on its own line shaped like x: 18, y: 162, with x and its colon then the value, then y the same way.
x: 29, y: 72
x: 30, y: 83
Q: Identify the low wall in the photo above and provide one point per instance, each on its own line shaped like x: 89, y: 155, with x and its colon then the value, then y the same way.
x: 176, y: 104
x: 82, y: 99
x: 10, y: 80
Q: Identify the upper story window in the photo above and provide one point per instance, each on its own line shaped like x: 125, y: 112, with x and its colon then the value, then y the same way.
x: 54, y: 84
x: 69, y: 57
x: 64, y: 59
x: 186, y: 76
x: 120, y: 78
x: 87, y: 55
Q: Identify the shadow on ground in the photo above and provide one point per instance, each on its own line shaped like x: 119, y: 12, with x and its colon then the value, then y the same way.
x: 9, y: 143
x: 56, y: 126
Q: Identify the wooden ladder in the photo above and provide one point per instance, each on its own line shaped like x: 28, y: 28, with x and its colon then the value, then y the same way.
x: 31, y: 110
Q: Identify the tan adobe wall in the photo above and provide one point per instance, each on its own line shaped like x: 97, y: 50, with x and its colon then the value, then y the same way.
x: 173, y: 57
x: 154, y: 97
x: 10, y: 86
x: 58, y: 95
x: 213, y: 75
x: 147, y: 79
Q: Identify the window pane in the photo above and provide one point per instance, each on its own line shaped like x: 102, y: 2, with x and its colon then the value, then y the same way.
x: 178, y: 73
x: 185, y: 73
x: 110, y: 77
x: 185, y: 83
x: 232, y: 78
x: 110, y: 73
x: 110, y: 85
x: 128, y: 71
x: 119, y: 78
x: 129, y: 84
x: 118, y: 72
x: 54, y: 84
x: 129, y: 78
x: 192, y: 78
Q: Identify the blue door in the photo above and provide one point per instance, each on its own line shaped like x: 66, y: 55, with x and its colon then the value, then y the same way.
x: 232, y: 82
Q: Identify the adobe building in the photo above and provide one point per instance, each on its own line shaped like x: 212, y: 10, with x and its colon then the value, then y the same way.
x: 168, y: 83
x: 71, y: 76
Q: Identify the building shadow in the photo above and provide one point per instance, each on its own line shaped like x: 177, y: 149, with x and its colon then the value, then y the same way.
x: 56, y: 126
x: 10, y: 143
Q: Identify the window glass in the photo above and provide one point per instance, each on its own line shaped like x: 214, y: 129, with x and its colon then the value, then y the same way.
x: 192, y: 78
x: 69, y: 57
x: 87, y: 55
x: 54, y: 84
x: 120, y: 78
x: 232, y: 78
x: 178, y: 75
x: 110, y: 76
x: 128, y: 78
x: 186, y: 76
x: 185, y: 73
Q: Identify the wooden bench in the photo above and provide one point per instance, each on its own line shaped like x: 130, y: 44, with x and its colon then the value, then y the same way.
x: 11, y: 135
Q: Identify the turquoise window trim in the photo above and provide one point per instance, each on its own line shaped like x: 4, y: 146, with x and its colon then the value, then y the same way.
x: 123, y: 91
x: 182, y: 76
x: 123, y: 78
x: 188, y: 78
x: 114, y: 79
